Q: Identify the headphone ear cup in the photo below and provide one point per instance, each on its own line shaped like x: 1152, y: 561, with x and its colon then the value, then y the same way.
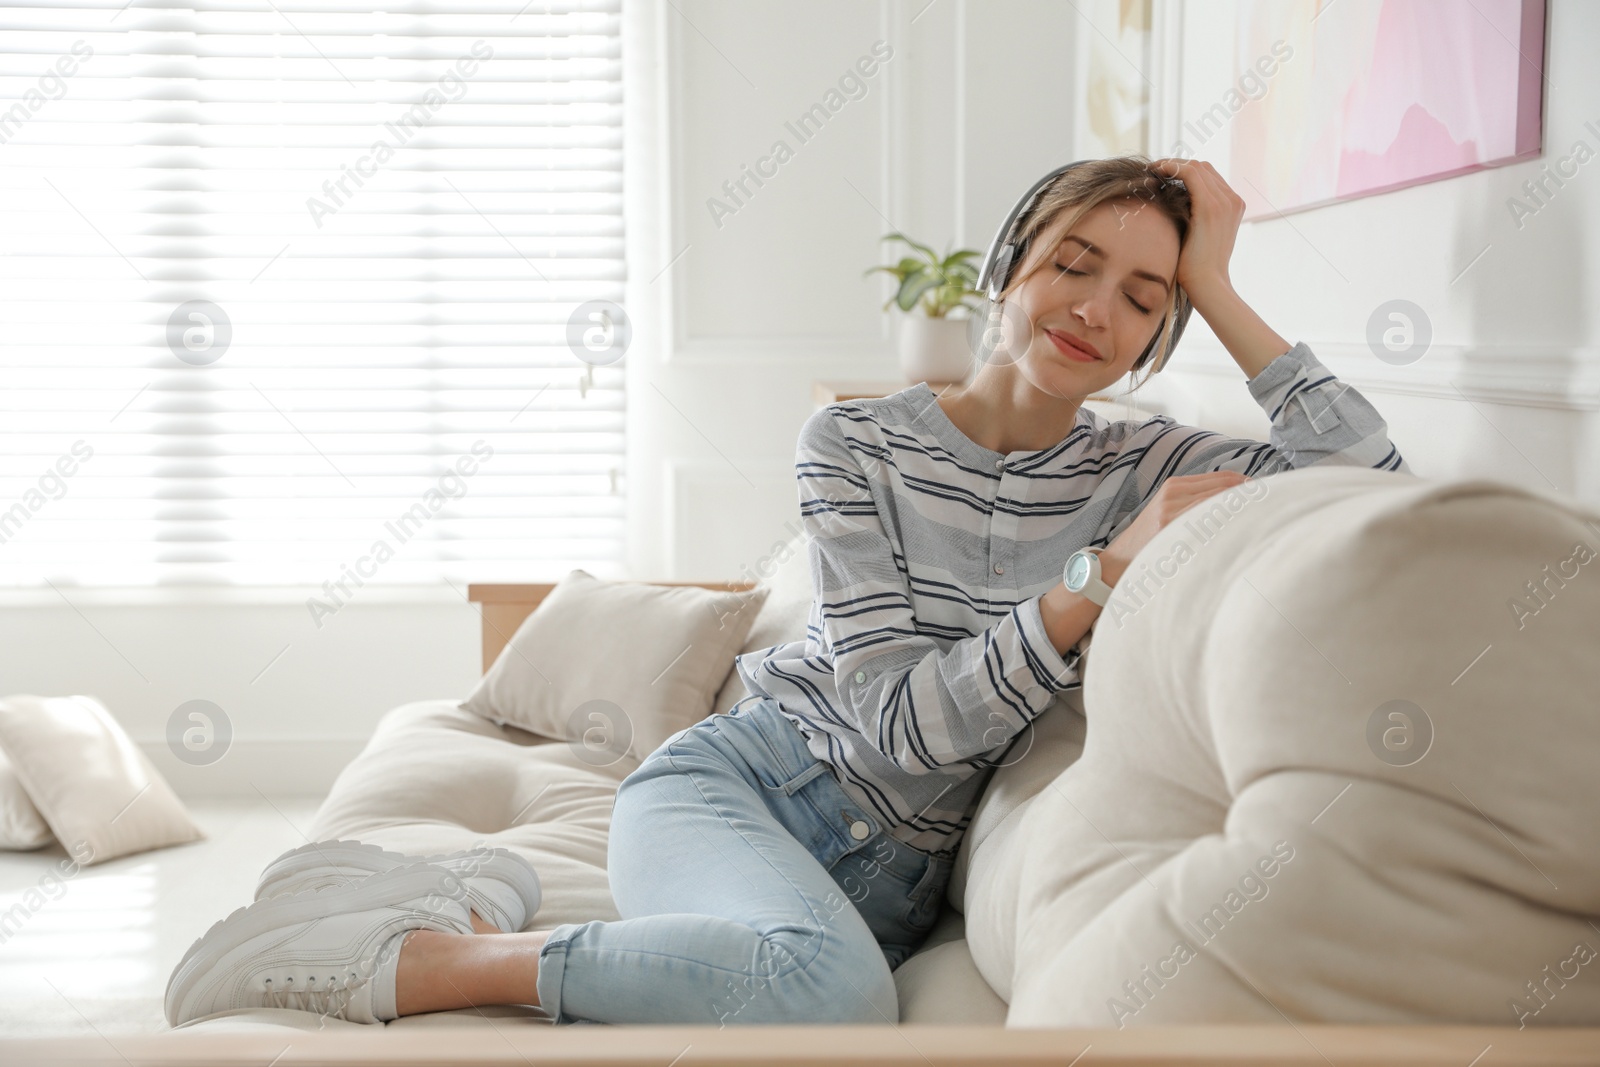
x: 995, y: 269
x: 1180, y: 319
x: 1000, y: 272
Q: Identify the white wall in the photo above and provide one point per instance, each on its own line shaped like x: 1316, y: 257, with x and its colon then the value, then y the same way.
x: 734, y: 323
x: 300, y: 700
x: 1511, y: 386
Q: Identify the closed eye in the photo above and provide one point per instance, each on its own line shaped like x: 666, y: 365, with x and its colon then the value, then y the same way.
x: 1068, y: 270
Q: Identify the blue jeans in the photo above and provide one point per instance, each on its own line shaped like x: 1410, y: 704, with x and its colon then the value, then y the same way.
x: 751, y: 890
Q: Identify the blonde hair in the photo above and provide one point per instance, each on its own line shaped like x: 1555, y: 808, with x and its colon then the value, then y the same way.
x: 1085, y: 187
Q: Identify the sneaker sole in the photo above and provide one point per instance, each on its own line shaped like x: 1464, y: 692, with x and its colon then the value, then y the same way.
x: 401, y: 884
x: 360, y: 856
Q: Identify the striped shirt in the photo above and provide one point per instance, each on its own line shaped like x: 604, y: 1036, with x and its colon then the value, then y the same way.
x: 925, y: 655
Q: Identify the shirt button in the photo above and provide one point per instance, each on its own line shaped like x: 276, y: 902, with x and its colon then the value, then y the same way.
x: 999, y: 464
x: 859, y: 830
x: 861, y: 676
x: 999, y: 569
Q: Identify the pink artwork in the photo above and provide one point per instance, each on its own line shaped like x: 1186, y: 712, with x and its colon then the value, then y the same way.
x: 1380, y: 94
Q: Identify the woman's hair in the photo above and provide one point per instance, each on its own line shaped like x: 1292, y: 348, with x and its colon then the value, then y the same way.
x: 1088, y: 185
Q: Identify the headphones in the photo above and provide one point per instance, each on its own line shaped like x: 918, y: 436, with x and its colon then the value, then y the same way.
x: 1005, y: 253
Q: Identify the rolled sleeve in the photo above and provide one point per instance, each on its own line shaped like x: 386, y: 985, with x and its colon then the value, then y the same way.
x: 1050, y: 668
x: 1317, y: 418
x: 1314, y: 418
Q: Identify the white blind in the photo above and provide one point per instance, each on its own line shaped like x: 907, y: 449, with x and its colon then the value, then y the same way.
x: 397, y: 213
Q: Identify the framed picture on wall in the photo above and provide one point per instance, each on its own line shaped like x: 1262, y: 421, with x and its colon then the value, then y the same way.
x: 1374, y: 95
x: 1114, y: 81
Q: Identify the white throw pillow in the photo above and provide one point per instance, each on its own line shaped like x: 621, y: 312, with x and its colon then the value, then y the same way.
x: 98, y: 792
x: 21, y: 826
x: 782, y: 618
x: 616, y: 666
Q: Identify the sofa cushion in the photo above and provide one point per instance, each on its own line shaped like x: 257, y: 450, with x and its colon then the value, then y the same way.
x: 1046, y: 747
x: 619, y: 666
x: 940, y: 983
x: 1339, y: 768
x: 436, y: 778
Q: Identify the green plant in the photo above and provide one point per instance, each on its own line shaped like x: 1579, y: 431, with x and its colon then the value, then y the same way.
x: 940, y: 283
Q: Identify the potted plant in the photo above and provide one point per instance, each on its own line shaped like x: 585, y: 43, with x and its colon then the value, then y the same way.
x: 933, y: 345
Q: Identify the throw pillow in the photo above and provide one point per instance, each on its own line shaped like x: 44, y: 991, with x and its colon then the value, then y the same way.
x: 21, y: 826
x: 98, y: 792
x: 617, y: 667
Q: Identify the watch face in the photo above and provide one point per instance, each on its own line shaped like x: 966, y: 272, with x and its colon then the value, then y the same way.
x: 1077, y: 573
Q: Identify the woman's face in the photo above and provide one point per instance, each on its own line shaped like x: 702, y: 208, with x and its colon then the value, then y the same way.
x: 1103, y: 285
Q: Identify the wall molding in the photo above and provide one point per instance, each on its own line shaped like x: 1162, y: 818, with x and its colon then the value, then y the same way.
x: 686, y: 348
x: 688, y: 481
x: 1539, y: 376
x: 1166, y: 76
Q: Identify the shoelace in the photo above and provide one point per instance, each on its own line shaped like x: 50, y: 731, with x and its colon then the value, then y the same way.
x: 335, y: 991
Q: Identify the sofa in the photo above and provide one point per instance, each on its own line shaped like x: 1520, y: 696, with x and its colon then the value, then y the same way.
x: 1328, y: 789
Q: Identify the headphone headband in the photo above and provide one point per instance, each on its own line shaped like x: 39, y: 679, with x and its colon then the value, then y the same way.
x: 1006, y: 253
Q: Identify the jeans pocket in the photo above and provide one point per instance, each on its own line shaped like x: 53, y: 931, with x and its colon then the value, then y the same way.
x: 771, y: 747
x: 926, y: 898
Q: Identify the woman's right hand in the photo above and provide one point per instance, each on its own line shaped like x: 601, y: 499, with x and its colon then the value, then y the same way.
x: 1172, y: 498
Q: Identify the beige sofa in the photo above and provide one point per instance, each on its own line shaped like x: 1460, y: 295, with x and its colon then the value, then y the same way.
x: 1332, y: 772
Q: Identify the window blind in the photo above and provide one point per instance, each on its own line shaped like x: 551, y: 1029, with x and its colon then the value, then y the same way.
x: 297, y: 290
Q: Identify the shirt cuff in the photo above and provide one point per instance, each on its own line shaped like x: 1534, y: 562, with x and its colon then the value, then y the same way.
x: 1282, y: 370
x: 1050, y: 669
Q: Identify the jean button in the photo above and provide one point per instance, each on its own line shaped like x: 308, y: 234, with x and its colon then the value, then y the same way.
x: 859, y: 830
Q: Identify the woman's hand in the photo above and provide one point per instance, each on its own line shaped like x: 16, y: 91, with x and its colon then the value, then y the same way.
x: 1174, y: 496
x: 1215, y: 211
x: 1066, y: 615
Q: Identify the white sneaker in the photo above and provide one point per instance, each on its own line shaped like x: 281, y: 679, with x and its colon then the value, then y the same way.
x: 498, y: 884
x: 332, y: 952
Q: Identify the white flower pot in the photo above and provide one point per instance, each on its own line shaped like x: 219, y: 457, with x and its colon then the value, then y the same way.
x: 934, y: 350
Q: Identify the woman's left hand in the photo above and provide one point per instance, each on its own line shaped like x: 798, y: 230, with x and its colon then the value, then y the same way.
x: 1215, y: 212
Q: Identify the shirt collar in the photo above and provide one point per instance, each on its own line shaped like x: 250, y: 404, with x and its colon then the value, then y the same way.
x: 926, y: 412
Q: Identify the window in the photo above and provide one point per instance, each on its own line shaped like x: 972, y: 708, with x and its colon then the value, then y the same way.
x: 298, y: 289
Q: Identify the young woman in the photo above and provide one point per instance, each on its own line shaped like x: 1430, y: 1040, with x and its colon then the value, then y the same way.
x: 776, y: 863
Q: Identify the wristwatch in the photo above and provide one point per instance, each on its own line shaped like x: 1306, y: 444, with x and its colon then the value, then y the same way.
x: 1081, y: 575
